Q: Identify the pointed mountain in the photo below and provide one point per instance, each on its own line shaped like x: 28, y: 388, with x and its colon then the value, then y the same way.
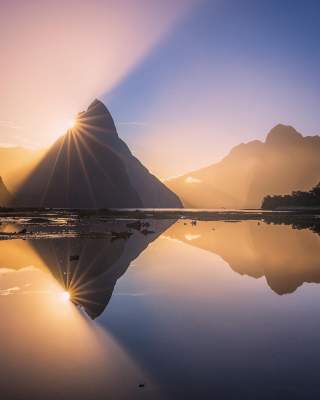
x: 285, y: 162
x: 91, y: 167
x: 153, y: 193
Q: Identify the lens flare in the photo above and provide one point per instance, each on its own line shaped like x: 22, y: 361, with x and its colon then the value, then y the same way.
x: 71, y: 123
x: 65, y: 296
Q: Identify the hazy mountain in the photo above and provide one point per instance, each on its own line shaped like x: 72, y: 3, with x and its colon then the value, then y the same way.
x: 5, y: 196
x: 91, y: 167
x: 286, y: 161
x: 16, y: 163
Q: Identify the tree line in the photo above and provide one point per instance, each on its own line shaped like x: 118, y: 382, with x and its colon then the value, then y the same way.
x: 294, y: 200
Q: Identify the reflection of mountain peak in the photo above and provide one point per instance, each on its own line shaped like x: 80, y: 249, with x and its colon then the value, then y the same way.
x: 89, y: 268
x: 277, y: 252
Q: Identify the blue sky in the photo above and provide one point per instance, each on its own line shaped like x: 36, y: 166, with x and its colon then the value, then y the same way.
x: 225, y: 74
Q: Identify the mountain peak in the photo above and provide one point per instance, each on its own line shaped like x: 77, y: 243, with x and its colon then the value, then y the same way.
x: 97, y: 104
x: 98, y: 118
x: 283, y: 135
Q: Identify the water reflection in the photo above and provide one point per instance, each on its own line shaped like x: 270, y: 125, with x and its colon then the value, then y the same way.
x: 46, y: 345
x: 86, y: 268
x: 89, y: 268
x: 181, y: 323
x: 287, y: 257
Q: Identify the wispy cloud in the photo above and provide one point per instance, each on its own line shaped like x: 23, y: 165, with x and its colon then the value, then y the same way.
x: 134, y: 123
x: 191, y: 237
x: 7, y: 292
x: 191, y: 179
x: 10, y: 125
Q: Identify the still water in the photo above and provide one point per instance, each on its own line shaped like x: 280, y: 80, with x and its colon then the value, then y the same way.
x: 212, y: 310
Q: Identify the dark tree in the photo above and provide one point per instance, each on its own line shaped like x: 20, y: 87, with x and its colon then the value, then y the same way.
x: 295, y: 200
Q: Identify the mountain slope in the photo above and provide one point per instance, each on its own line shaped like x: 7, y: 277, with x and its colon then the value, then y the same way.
x: 285, y: 162
x: 153, y: 193
x: 91, y: 167
x: 5, y: 196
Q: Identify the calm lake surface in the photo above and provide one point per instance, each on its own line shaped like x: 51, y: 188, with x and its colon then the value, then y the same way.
x: 178, y: 310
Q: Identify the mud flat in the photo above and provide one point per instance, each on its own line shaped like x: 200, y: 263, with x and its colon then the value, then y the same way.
x: 38, y: 222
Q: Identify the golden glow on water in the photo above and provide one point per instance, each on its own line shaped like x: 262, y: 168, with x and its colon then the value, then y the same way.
x: 202, y: 275
x: 43, y: 334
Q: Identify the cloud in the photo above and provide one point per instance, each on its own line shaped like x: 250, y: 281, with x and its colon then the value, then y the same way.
x: 191, y: 237
x: 10, y: 125
x: 190, y: 179
x: 31, y: 268
x: 9, y: 291
x: 134, y: 123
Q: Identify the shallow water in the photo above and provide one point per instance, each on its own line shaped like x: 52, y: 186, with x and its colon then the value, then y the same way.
x: 225, y: 310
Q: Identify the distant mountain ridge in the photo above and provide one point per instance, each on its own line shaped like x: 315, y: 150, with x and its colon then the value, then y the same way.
x: 91, y: 167
x: 286, y: 161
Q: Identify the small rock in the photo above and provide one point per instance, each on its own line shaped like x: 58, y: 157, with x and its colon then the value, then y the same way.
x: 135, y: 225
x: 120, y: 235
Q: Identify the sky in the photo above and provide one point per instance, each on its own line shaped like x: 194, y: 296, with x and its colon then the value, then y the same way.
x: 185, y: 80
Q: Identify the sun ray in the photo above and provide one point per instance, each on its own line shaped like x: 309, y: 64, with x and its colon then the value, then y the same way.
x: 77, y: 282
x: 83, y: 167
x: 89, y: 151
x: 53, y: 170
